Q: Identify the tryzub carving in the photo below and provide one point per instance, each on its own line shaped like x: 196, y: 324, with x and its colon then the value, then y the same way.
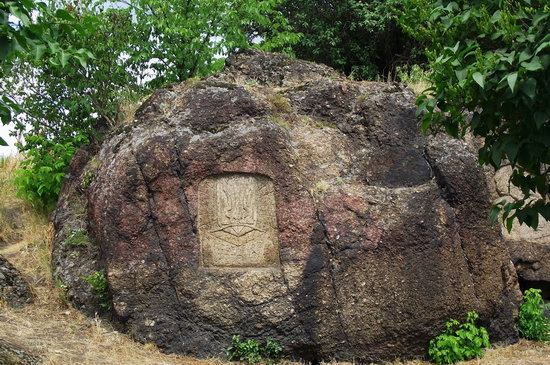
x: 237, y: 222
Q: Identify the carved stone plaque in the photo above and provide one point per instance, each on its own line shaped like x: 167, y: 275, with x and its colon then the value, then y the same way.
x: 237, y: 222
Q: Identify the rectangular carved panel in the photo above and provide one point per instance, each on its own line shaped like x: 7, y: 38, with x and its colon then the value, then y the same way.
x: 237, y: 221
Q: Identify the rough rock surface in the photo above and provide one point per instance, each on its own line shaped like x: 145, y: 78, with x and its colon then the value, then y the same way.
x: 11, y: 354
x: 73, y: 260
x: 14, y: 291
x: 529, y: 249
x: 280, y: 199
x: 11, y: 223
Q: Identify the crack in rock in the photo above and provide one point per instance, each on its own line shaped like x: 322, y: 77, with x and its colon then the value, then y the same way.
x: 152, y: 216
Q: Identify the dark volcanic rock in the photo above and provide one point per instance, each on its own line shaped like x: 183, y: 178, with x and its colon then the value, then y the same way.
x: 13, y: 289
x: 72, y: 260
x: 279, y: 199
x: 11, y: 354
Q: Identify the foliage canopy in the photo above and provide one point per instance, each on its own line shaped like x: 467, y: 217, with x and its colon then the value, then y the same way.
x: 20, y: 35
x: 490, y: 64
x: 61, y: 103
x: 357, y: 37
x: 183, y: 39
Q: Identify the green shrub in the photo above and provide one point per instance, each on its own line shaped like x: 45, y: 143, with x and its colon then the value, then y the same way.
x: 41, y: 174
x: 533, y: 325
x: 251, y: 352
x: 459, y: 341
x: 98, y: 282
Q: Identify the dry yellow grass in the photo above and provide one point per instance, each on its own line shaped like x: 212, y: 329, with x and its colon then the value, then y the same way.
x: 61, y: 335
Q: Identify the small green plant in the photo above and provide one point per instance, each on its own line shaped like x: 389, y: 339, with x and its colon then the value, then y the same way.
x: 272, y: 350
x: 98, y: 282
x: 280, y: 121
x: 280, y: 103
x: 251, y: 352
x: 533, y: 325
x: 321, y: 187
x: 77, y: 238
x: 87, y: 179
x: 251, y: 82
x: 62, y: 290
x: 317, y: 122
x: 459, y: 341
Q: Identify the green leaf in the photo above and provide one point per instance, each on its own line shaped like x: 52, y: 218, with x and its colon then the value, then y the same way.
x: 461, y: 74
x: 495, y: 211
x: 496, y: 158
x: 81, y: 60
x: 54, y: 47
x: 540, y: 119
x: 3, y: 142
x: 455, y: 48
x: 511, y: 148
x: 542, y: 46
x: 533, y: 65
x: 64, y: 14
x: 509, y: 224
x: 512, y: 79
x: 524, y: 55
x: 20, y: 14
x: 5, y: 46
x: 496, y: 16
x: 529, y: 87
x: 479, y: 79
x: 64, y: 57
x: 39, y: 51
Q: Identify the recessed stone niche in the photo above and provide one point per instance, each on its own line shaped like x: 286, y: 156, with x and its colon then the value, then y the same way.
x: 237, y: 221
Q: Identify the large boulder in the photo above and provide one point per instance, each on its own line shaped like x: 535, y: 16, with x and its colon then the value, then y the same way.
x: 280, y: 199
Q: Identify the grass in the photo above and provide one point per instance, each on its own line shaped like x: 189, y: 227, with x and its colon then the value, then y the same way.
x: 62, y: 335
x: 280, y: 103
x: 280, y: 121
x: 127, y: 110
x: 414, y: 77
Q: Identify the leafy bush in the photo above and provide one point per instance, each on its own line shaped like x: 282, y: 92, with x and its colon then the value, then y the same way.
x: 459, y: 341
x: 98, y: 282
x: 251, y: 352
x: 533, y: 324
x: 491, y: 66
x: 41, y: 173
